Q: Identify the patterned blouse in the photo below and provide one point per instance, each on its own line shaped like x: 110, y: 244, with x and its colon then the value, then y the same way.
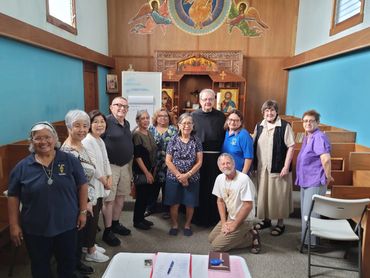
x: 161, y: 141
x: 88, y: 166
x: 184, y: 156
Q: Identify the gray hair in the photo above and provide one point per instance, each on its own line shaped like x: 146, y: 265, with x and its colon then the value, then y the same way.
x: 39, y: 126
x: 268, y: 104
x: 139, y: 113
x: 207, y: 91
x: 76, y: 115
x: 182, y: 117
x: 229, y: 156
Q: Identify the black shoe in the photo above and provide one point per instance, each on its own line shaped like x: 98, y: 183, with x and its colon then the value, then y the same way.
x: 111, y: 239
x: 84, y: 269
x: 121, y: 230
x: 148, y: 223
x: 147, y: 213
x: 141, y: 226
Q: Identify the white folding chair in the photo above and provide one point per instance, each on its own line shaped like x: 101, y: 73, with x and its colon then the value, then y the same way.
x: 337, y: 226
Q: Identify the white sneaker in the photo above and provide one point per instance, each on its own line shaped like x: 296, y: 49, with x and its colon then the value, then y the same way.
x: 97, y: 248
x: 96, y: 257
x: 100, y: 249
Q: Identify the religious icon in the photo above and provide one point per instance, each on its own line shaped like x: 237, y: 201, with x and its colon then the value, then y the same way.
x: 228, y: 99
x: 112, y: 83
x: 246, y: 18
x: 167, y: 98
x: 150, y: 15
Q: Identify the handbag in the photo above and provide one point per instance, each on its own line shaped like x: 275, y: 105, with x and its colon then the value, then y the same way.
x: 140, y: 179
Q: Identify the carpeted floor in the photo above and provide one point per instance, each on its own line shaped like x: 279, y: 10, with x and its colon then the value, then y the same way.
x: 279, y: 256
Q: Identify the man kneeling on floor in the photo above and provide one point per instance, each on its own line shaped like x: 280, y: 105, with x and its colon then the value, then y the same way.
x: 235, y: 201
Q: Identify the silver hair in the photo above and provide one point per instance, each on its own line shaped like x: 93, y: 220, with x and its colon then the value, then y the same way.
x: 139, y: 113
x: 76, y: 115
x: 39, y: 126
x: 229, y: 156
x: 207, y: 91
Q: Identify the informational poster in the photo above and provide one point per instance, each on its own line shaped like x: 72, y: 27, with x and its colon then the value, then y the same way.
x: 143, y: 91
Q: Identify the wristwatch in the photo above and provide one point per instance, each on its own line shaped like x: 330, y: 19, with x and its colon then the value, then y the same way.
x: 83, y: 212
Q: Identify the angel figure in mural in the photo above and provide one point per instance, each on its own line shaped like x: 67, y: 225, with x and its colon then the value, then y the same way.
x: 247, y: 19
x: 200, y: 11
x: 149, y: 16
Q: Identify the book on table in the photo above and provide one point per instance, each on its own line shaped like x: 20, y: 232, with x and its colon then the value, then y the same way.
x: 219, y: 261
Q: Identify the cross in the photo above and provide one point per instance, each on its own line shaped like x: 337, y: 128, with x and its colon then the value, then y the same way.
x: 170, y: 74
x: 222, y: 74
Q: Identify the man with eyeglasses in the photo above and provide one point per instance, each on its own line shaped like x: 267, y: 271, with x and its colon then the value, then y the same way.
x: 120, y: 149
x: 209, y: 127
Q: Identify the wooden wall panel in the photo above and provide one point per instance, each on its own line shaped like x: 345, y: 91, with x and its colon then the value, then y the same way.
x: 262, y: 56
x: 265, y: 80
x: 361, y: 178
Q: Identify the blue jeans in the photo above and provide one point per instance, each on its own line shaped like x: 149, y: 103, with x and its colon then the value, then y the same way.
x: 41, y: 249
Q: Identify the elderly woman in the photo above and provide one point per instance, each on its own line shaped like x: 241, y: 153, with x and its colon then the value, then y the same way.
x: 184, y: 159
x: 273, y: 147
x: 102, y: 180
x: 313, y: 166
x: 56, y: 191
x: 143, y: 168
x: 238, y: 142
x: 162, y: 131
x: 78, y: 124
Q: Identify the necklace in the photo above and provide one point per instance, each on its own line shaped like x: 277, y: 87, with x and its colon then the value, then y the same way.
x: 49, y: 173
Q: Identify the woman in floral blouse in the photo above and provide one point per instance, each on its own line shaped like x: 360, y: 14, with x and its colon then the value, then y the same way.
x: 183, y: 159
x: 162, y: 131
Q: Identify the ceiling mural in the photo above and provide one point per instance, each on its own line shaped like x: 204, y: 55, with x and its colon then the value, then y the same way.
x: 198, y: 17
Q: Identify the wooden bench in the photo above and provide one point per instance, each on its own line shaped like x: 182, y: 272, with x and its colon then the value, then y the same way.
x: 359, y: 162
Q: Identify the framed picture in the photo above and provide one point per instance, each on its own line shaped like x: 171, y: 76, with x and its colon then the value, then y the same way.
x: 112, y: 83
x: 167, y: 98
x: 228, y: 99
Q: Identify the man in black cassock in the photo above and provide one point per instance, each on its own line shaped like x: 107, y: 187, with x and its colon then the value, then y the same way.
x: 209, y: 127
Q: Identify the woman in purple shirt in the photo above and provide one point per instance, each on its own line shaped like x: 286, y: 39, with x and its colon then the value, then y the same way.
x: 313, y: 166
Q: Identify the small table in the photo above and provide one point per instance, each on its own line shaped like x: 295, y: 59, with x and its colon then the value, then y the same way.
x: 132, y: 265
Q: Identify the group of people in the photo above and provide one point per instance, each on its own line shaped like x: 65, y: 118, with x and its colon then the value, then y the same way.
x: 206, y: 162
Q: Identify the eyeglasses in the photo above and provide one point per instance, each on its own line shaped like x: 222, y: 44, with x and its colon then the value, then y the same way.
x: 234, y: 120
x: 208, y: 99
x: 309, y: 121
x: 42, y: 138
x: 121, y: 106
x: 186, y: 123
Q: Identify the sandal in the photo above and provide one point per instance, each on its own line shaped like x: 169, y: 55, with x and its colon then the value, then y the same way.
x: 256, y: 242
x: 278, y: 230
x: 266, y: 223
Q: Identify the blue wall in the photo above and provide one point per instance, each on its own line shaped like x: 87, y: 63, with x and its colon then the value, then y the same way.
x: 37, y: 84
x: 339, y: 89
x: 103, y: 97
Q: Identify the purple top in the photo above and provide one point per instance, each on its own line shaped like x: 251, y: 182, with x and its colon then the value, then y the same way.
x: 309, y: 170
x: 184, y: 155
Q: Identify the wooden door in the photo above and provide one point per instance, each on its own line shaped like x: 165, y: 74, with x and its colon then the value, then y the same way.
x: 91, y: 87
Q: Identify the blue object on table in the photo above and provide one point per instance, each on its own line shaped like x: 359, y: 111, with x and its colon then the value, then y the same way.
x: 216, y: 262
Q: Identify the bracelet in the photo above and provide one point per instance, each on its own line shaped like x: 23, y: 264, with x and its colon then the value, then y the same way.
x: 83, y: 211
x: 190, y: 172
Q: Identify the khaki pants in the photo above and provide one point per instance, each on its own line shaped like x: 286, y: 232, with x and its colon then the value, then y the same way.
x: 240, y: 238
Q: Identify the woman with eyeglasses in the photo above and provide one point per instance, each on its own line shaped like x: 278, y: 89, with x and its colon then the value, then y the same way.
x: 184, y: 158
x: 143, y: 168
x: 78, y: 124
x: 162, y: 131
x: 52, y: 187
x: 313, y: 169
x: 238, y: 142
x: 273, y: 147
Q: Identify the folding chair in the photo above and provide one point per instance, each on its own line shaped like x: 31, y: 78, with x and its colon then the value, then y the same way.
x: 337, y: 227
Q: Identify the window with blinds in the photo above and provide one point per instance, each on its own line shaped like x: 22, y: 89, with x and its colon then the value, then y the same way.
x: 346, y: 14
x: 62, y: 13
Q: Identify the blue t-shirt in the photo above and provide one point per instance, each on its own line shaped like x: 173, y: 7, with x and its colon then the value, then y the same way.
x: 240, y: 146
x: 47, y: 210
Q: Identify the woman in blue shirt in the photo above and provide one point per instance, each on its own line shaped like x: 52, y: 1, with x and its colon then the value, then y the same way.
x: 52, y: 187
x: 238, y: 142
